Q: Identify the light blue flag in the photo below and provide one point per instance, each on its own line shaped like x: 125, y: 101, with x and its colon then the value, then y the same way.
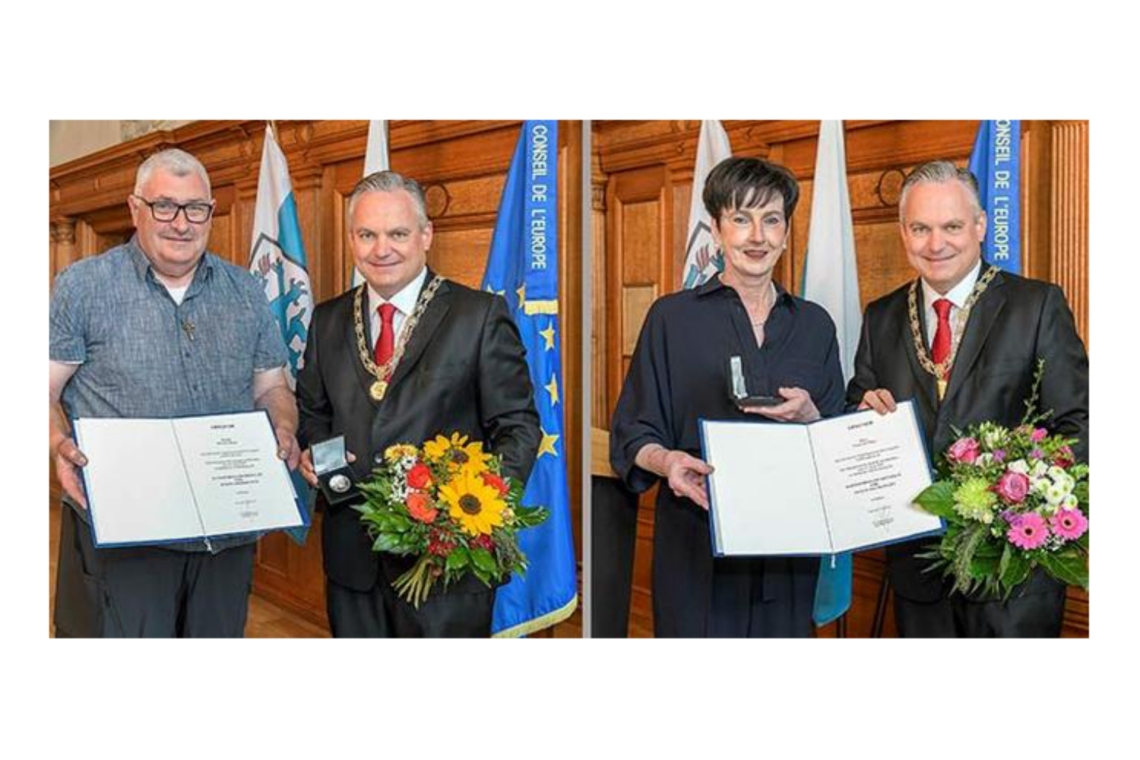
x: 277, y: 259
x: 831, y: 279
x: 523, y: 268
x: 996, y: 162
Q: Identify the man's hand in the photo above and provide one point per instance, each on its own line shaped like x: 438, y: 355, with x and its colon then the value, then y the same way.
x: 686, y: 476
x: 307, y: 471
x: 68, y: 460
x: 880, y: 400
x: 287, y: 447
x: 798, y: 407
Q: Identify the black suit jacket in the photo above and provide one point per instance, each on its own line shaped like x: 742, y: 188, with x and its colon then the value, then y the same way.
x: 1015, y: 322
x: 464, y: 370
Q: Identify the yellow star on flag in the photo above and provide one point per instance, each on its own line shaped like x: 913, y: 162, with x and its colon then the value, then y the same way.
x: 547, y: 445
x: 522, y: 295
x: 548, y: 335
x: 552, y: 389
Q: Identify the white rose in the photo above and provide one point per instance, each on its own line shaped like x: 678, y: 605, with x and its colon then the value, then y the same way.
x: 1040, y: 469
x: 1019, y: 466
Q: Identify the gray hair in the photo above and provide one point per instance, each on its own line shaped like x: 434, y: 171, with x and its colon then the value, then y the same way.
x: 390, y: 182
x: 940, y: 172
x: 174, y: 161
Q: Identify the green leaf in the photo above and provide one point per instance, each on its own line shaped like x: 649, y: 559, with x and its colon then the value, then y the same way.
x: 1067, y: 566
x: 483, y: 561
x: 938, y: 499
x: 458, y: 559
x: 1081, y: 491
x: 1014, y: 567
x: 528, y: 517
x: 386, y: 542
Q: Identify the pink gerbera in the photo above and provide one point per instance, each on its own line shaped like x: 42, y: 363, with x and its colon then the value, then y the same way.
x: 1069, y: 524
x: 1028, y: 531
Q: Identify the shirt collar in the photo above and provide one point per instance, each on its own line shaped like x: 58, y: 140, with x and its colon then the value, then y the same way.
x: 958, y: 294
x: 714, y: 284
x: 405, y: 299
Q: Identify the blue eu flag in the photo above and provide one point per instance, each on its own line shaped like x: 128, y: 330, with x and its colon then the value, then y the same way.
x: 996, y: 162
x: 523, y: 268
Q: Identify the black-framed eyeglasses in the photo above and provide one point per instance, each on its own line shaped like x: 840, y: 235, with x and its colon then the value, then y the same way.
x: 197, y: 212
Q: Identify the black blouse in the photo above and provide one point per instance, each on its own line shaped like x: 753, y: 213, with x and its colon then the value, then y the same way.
x: 679, y: 372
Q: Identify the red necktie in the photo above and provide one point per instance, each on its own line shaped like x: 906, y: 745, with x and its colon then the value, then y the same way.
x: 386, y: 343
x: 940, y: 348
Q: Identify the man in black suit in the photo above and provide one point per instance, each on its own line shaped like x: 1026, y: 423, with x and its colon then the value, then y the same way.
x: 984, y: 331
x: 404, y: 358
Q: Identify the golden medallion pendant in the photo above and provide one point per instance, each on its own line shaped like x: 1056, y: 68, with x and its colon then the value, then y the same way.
x: 378, y: 389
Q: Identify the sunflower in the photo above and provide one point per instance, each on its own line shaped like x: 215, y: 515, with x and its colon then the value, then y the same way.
x: 399, y: 451
x: 457, y: 453
x: 476, y: 506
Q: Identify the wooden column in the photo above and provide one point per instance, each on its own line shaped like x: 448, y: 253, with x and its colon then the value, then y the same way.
x: 62, y: 244
x: 599, y: 414
x: 1069, y: 248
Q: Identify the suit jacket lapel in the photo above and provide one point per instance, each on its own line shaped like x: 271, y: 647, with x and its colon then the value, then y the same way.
x: 923, y: 379
x: 421, y: 336
x: 982, y: 318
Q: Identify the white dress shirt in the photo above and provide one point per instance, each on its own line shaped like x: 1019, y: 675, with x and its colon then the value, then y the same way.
x: 405, y: 303
x: 957, y: 296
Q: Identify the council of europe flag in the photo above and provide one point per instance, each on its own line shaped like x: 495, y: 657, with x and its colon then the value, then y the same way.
x: 523, y: 268
x: 996, y: 162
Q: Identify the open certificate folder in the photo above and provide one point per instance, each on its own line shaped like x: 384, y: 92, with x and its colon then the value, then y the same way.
x: 836, y: 485
x: 154, y: 481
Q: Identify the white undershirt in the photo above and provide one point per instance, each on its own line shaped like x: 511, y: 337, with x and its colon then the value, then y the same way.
x: 177, y: 293
x: 405, y: 303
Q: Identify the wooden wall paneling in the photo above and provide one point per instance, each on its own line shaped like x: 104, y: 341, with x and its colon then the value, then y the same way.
x: 571, y: 277
x: 1036, y: 198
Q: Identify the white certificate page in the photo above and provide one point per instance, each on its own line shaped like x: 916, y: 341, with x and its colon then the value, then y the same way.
x: 137, y: 491
x: 239, y: 483
x: 763, y: 493
x: 871, y: 467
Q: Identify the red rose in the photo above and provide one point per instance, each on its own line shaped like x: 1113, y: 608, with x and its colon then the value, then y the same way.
x: 419, y: 476
x: 484, y: 541
x: 496, y: 482
x: 420, y: 507
x: 1064, y: 457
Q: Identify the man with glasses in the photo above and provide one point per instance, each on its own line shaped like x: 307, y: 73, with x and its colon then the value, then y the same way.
x: 158, y: 327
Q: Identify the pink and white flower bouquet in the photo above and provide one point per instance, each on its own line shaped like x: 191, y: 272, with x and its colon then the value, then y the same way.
x: 1013, y: 500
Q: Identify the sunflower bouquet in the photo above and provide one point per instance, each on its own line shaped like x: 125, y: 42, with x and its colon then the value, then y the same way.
x: 1013, y: 499
x: 449, y: 505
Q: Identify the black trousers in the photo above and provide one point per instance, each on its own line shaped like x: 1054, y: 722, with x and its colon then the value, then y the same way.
x: 463, y: 611
x: 1037, y: 610
x: 146, y: 591
x: 613, y: 534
